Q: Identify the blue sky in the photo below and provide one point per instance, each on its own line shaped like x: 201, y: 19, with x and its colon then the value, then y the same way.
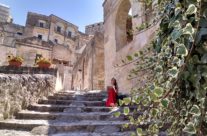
x: 78, y: 12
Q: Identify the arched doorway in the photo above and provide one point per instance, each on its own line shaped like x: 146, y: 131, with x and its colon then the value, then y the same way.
x: 123, y: 23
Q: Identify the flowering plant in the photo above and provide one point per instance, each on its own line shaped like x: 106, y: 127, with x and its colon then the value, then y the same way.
x: 43, y: 60
x: 17, y: 59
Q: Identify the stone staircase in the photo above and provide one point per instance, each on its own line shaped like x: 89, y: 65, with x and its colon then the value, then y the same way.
x: 67, y: 114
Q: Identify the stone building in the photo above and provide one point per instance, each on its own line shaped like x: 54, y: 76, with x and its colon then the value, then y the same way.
x: 56, y: 39
x: 125, y: 34
x: 5, y: 13
x: 9, y: 33
x: 64, y: 35
x: 93, y: 28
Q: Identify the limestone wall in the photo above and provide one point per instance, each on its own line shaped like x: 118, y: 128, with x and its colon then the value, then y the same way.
x: 88, y: 73
x: 115, y: 45
x: 19, y: 91
x: 93, y: 28
x: 4, y: 52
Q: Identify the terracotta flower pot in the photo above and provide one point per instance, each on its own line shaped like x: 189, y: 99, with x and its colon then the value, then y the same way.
x: 15, y: 63
x: 44, y: 65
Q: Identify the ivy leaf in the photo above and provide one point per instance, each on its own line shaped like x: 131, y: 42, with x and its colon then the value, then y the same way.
x: 176, y: 34
x: 178, y: 11
x: 117, y: 114
x: 139, y: 131
x: 158, y: 69
x: 121, y: 102
x: 182, y: 50
x: 176, y: 25
x: 154, y: 112
x: 158, y: 91
x: 129, y: 58
x: 192, y: 9
x: 202, y: 33
x: 152, y: 87
x: 136, y: 55
x: 173, y: 72
x: 189, y: 29
x: 190, y: 128
x: 165, y: 103
x: 127, y: 101
x: 183, y: 112
x: 204, y: 58
x: 195, y: 110
x: 126, y: 110
x: 175, y: 60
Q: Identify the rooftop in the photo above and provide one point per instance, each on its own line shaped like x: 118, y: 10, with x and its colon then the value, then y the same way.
x: 3, y: 5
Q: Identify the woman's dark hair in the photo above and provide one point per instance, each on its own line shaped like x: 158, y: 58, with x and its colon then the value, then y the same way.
x: 115, y: 83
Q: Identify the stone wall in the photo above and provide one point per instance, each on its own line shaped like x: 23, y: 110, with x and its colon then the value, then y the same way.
x: 93, y: 28
x: 27, y: 70
x: 115, y: 45
x: 19, y: 91
x: 88, y: 73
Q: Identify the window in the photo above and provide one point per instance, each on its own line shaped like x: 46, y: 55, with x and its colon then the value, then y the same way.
x: 69, y: 34
x: 19, y: 33
x: 39, y: 36
x: 56, y: 40
x: 41, y: 24
x: 59, y: 29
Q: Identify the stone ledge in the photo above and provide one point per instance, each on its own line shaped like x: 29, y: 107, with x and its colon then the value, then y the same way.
x: 27, y: 70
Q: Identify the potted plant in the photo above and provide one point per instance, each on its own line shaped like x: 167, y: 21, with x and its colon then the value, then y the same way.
x: 15, y: 61
x: 43, y: 63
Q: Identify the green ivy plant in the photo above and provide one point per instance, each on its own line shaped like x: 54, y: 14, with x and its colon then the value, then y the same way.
x: 174, y: 99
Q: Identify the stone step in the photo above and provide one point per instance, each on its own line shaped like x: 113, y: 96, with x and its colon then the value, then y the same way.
x: 61, y: 108
x: 71, y: 102
x: 95, y: 134
x: 65, y: 116
x: 83, y: 95
x: 61, y: 97
x: 58, y: 127
x: 79, y: 97
x: 28, y: 133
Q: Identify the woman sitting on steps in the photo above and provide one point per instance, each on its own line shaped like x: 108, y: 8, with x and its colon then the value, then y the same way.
x: 112, y: 94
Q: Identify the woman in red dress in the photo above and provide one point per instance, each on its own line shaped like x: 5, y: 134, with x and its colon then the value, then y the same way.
x: 112, y: 94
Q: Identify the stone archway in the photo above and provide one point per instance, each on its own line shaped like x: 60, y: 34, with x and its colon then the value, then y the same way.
x: 121, y: 24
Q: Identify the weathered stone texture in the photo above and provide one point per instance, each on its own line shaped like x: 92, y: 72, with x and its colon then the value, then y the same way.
x: 88, y: 73
x: 93, y: 28
x: 116, y: 47
x: 19, y: 91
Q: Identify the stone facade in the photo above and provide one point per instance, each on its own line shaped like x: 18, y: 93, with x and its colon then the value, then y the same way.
x: 9, y: 33
x: 92, y: 29
x: 5, y: 13
x: 88, y: 73
x: 116, y: 45
x: 50, y: 37
x: 61, y: 33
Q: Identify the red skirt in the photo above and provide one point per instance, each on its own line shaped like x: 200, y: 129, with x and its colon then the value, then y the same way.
x: 111, y: 97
